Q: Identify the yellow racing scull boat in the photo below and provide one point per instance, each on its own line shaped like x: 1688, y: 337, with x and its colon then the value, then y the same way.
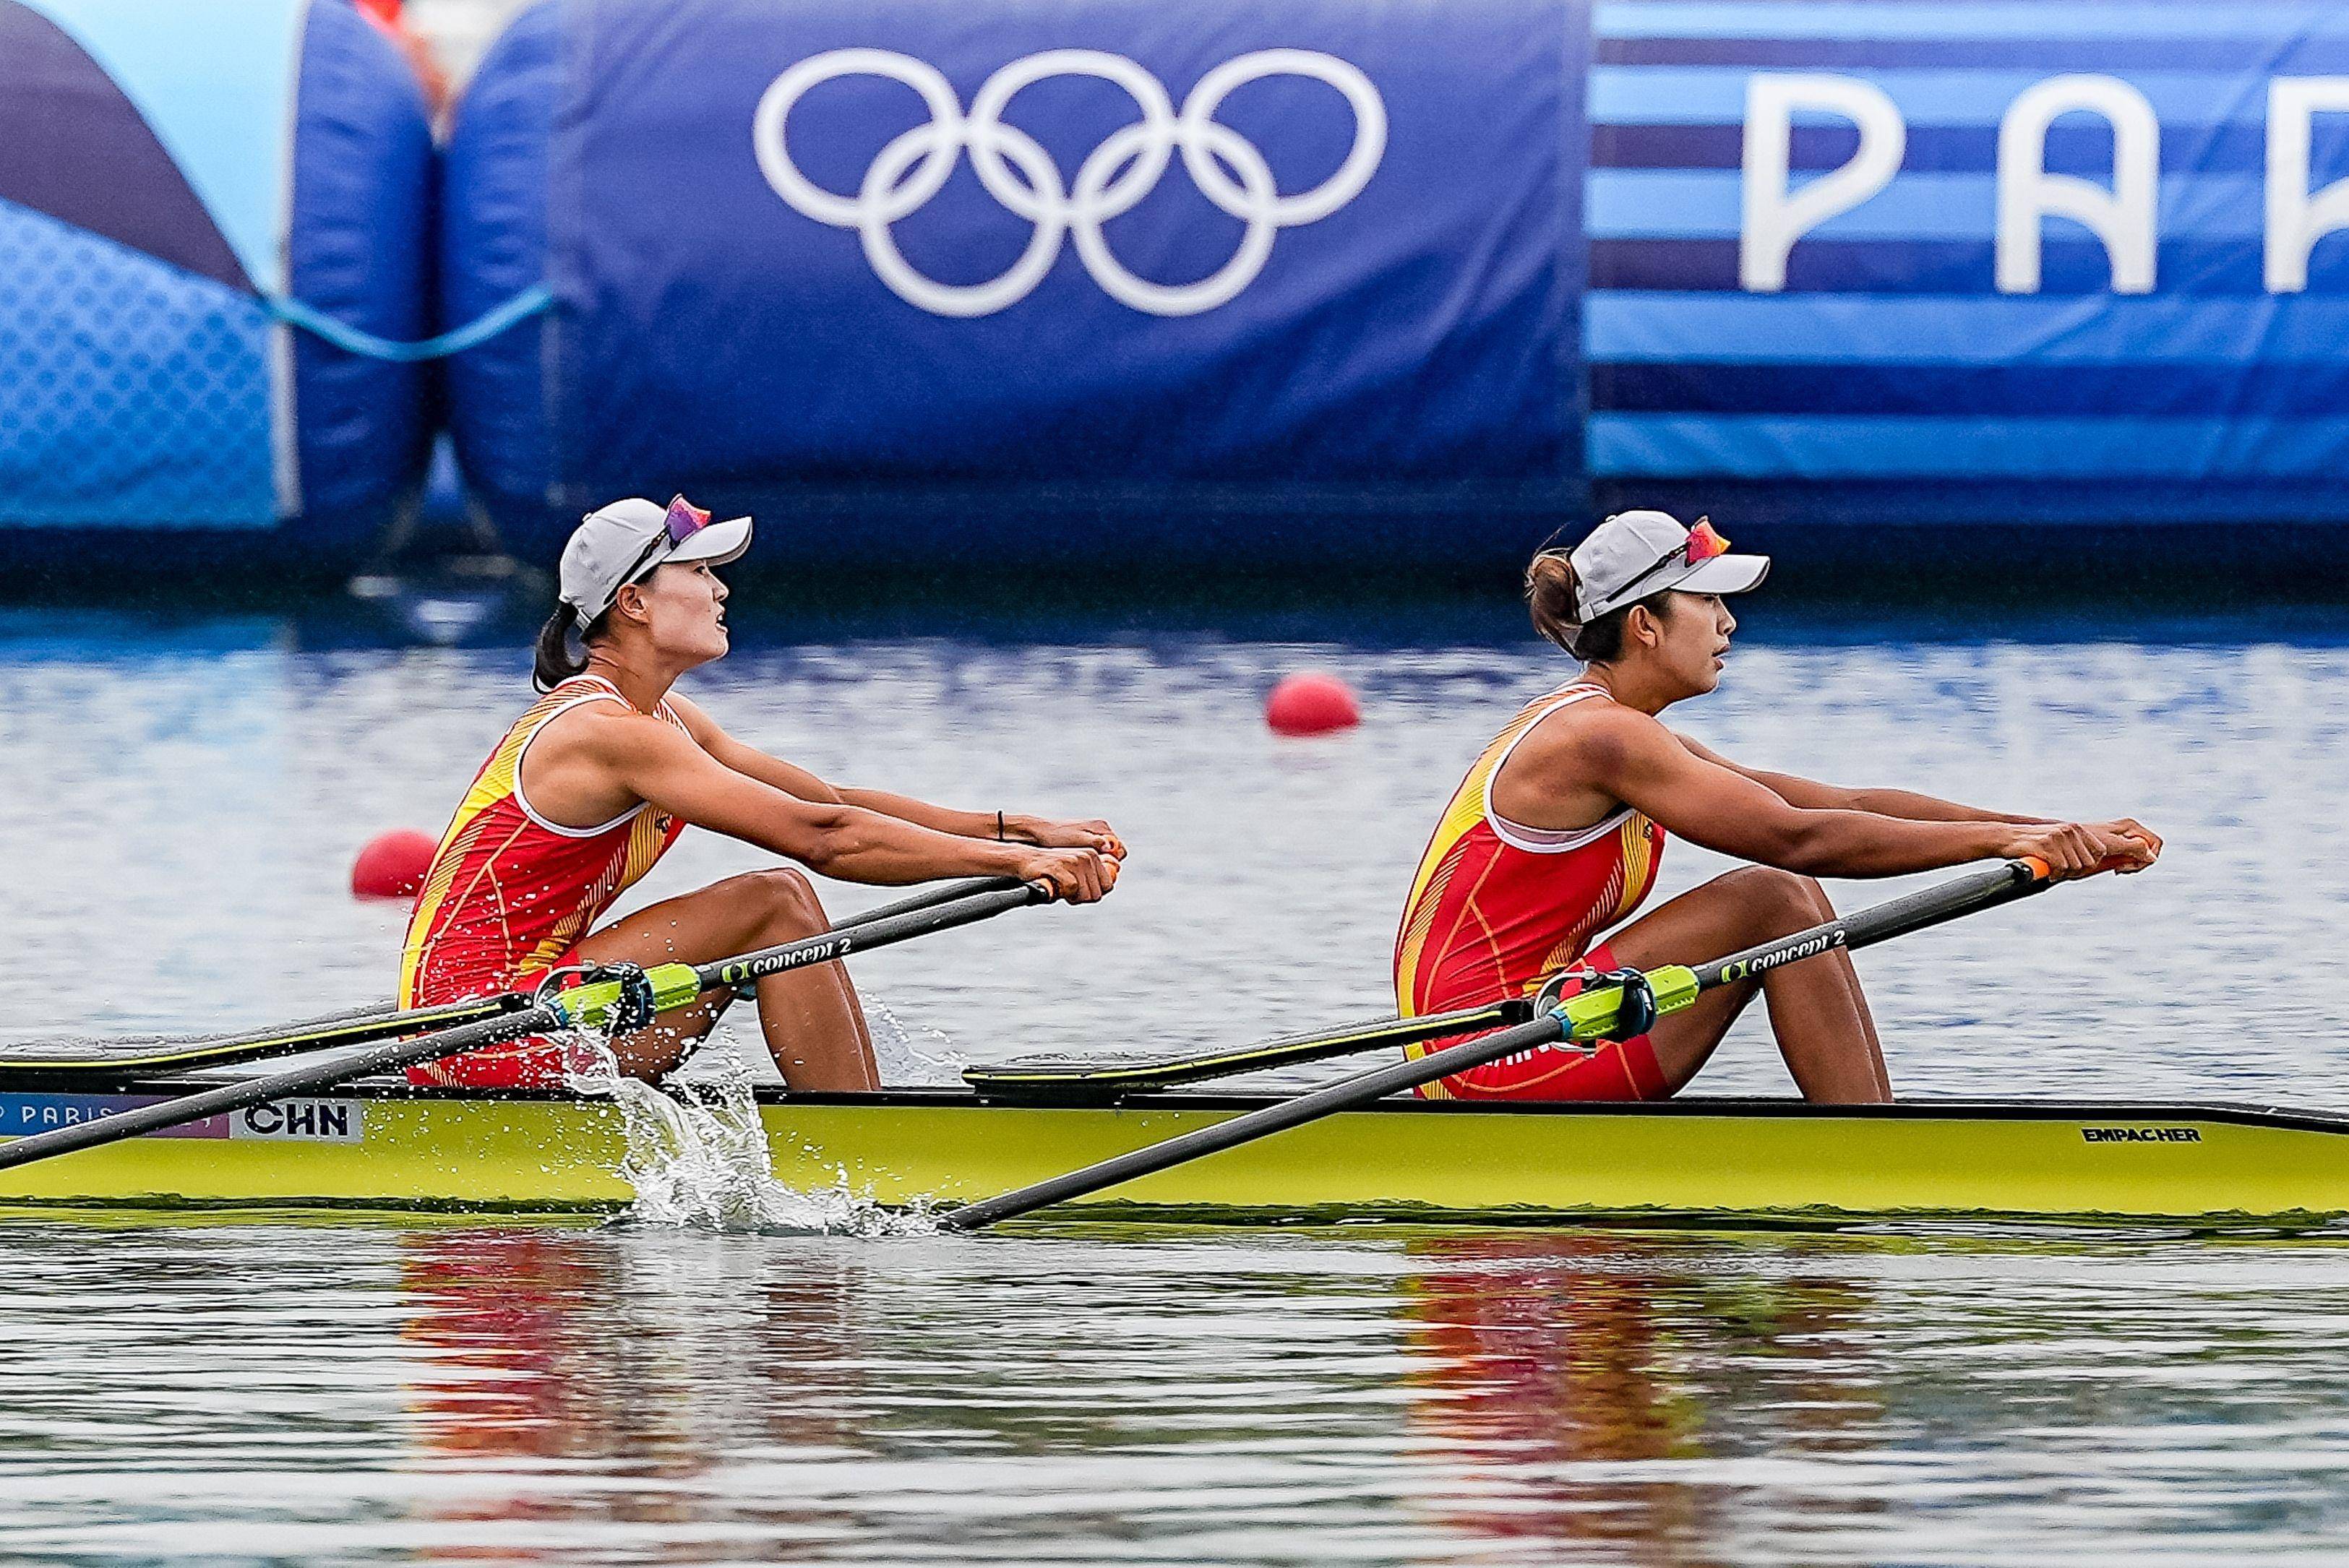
x: 136, y: 1123
x: 388, y: 1146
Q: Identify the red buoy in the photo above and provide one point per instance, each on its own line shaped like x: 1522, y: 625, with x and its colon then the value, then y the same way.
x: 392, y: 864
x: 1311, y: 703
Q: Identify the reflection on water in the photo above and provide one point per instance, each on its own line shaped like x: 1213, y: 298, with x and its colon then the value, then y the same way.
x: 1545, y: 1358
x: 1082, y: 1395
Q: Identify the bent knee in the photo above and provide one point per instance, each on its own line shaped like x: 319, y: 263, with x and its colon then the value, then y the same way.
x: 1779, y: 900
x: 784, y: 899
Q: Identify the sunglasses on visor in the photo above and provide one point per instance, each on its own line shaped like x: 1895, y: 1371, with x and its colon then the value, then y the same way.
x: 683, y: 520
x: 1701, y: 544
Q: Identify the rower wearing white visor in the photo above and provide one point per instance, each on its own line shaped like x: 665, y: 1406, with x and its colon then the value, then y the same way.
x: 1555, y: 835
x: 591, y: 786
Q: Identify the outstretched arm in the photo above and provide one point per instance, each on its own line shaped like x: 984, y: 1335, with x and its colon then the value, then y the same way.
x: 1018, y: 827
x: 653, y: 761
x: 1640, y: 762
x: 1813, y: 795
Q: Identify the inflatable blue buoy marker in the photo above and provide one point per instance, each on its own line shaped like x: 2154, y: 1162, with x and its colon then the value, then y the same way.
x: 1311, y: 703
x: 392, y: 864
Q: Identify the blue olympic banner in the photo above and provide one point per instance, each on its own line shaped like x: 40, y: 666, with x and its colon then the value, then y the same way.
x: 2005, y: 259
x: 1259, y: 278
x: 1086, y: 247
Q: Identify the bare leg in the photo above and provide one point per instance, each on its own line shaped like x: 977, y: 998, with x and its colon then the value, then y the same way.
x: 1816, y: 1009
x: 814, y: 1024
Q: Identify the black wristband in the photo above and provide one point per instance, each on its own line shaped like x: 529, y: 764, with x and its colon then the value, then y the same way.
x: 998, y: 827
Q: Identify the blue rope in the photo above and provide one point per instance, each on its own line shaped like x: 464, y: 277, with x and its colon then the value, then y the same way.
x: 480, y: 330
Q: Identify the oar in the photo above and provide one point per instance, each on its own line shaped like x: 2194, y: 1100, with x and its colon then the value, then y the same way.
x: 362, y: 1026
x: 1591, y: 1016
x: 1100, y: 1080
x: 592, y: 1005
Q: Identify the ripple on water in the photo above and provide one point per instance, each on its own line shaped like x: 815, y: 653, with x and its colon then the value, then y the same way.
x: 1077, y: 1394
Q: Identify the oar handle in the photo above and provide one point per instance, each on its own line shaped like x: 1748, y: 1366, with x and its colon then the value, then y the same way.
x: 1590, y: 1015
x: 1595, y: 1015
x: 358, y: 1026
x: 930, y: 898
x: 1926, y: 907
x: 870, y: 933
x: 595, y: 1002
x: 581, y: 1005
x: 1079, y: 1080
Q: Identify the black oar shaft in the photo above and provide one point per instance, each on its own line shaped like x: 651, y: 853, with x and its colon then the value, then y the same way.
x: 1910, y: 913
x: 1376, y: 1084
x: 930, y: 898
x: 1915, y: 911
x: 1049, y: 1080
x: 877, y: 930
x: 537, y: 1019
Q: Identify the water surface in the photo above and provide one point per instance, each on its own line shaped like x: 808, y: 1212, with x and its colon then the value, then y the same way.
x: 185, y: 797
x: 298, y: 1394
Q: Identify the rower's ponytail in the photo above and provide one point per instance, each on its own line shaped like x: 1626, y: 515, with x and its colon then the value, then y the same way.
x: 559, y: 654
x: 1551, y: 594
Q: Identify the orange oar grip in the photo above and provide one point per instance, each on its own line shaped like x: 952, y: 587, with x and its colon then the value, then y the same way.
x: 2040, y: 870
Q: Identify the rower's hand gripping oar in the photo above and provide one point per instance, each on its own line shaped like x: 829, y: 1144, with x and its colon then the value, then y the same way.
x: 600, y: 1004
x: 1596, y: 1014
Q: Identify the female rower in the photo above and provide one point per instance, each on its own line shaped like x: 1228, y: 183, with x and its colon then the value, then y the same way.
x: 1554, y: 835
x: 594, y: 783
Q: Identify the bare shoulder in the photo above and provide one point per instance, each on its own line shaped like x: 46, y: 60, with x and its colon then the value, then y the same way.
x: 1567, y: 771
x: 605, y: 730
x: 1595, y: 738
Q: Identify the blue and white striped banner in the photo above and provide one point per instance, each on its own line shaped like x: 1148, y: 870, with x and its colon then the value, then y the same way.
x: 2143, y: 281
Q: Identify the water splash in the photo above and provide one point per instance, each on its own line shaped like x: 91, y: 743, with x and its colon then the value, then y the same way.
x: 915, y: 1055
x: 697, y: 1157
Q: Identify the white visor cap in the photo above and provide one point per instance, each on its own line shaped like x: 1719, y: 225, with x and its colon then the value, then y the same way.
x: 1635, y: 553
x: 617, y: 544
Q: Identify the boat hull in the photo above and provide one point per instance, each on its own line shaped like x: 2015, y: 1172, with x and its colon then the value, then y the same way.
x: 1719, y: 1160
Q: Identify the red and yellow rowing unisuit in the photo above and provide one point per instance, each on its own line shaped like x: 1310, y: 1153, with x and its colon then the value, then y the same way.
x: 510, y: 894
x: 1497, y: 908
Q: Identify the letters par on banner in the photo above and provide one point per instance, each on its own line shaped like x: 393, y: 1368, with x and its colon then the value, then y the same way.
x: 2123, y: 217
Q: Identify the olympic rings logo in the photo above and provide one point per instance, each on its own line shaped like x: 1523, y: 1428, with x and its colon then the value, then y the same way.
x: 1227, y: 168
